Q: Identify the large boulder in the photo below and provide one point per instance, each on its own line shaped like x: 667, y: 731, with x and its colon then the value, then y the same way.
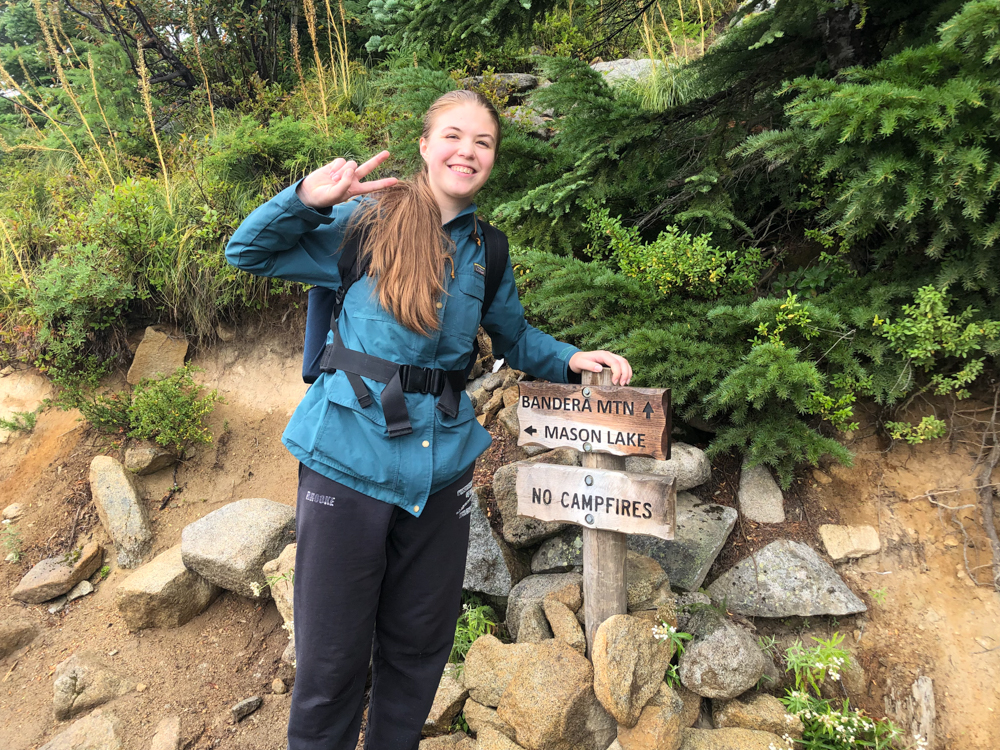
x: 533, y: 626
x: 490, y: 665
x: 760, y: 497
x: 168, y: 734
x: 785, y: 579
x: 280, y: 576
x: 564, y: 623
x: 456, y: 741
x: 84, y: 682
x: 55, y: 576
x: 448, y: 701
x: 659, y: 724
x: 16, y: 633
x: 702, y: 530
x: 532, y: 590
x: 491, y: 566
x: 522, y: 531
x: 230, y: 545
x: 625, y: 69
x: 731, y: 739
x: 492, y: 739
x: 163, y: 593
x: 723, y: 660
x: 120, y: 509
x: 159, y: 354
x: 550, y: 702
x: 758, y: 711
x: 688, y: 465
x: 629, y: 665
x: 96, y: 731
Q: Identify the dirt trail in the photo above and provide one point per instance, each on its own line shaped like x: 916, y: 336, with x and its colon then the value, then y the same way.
x: 926, y: 616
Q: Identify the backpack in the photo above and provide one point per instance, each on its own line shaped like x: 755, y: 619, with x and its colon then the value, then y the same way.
x: 324, y: 305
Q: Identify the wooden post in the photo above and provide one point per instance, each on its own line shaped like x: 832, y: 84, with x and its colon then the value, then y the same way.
x: 604, y: 591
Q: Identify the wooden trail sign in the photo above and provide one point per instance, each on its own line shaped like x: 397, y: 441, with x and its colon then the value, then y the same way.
x: 611, y: 419
x: 626, y: 502
x: 606, y: 423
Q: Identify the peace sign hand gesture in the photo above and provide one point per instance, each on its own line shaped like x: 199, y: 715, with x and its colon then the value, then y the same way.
x: 340, y: 180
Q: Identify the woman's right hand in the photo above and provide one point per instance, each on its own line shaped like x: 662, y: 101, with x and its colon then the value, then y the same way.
x: 340, y: 180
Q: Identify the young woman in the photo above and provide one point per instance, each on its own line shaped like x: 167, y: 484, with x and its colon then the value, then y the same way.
x: 383, y: 509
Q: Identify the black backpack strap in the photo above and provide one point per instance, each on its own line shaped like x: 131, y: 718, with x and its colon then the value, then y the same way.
x: 497, y: 252
x: 351, y: 267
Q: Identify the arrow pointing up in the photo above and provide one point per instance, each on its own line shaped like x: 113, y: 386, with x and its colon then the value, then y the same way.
x: 530, y: 430
x: 648, y: 411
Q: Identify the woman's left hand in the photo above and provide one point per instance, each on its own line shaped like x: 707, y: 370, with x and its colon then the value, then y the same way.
x: 621, y: 370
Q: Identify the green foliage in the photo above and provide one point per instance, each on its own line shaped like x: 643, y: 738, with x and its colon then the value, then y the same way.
x: 171, y: 411
x: 19, y: 421
x: 676, y: 638
x: 676, y: 262
x: 12, y: 541
x: 928, y: 429
x: 828, y: 727
x: 476, y: 620
x: 104, y: 572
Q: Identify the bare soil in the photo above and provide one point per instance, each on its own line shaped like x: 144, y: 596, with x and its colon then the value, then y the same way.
x: 926, y: 614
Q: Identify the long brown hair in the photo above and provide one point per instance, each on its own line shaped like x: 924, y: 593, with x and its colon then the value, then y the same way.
x: 404, y: 240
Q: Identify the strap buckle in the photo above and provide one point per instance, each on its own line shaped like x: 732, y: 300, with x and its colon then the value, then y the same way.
x: 420, y: 379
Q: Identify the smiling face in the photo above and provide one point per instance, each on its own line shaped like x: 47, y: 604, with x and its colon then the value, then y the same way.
x: 459, y: 151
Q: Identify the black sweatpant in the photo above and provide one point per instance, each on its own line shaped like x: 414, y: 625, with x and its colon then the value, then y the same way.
x: 370, y: 579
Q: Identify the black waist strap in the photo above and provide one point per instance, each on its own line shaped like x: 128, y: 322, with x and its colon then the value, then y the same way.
x: 399, y: 379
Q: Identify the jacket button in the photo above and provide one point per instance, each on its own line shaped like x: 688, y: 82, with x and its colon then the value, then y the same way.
x: 426, y: 444
x: 440, y: 305
x: 416, y: 508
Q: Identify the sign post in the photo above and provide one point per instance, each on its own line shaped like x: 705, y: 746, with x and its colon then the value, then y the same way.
x: 606, y: 423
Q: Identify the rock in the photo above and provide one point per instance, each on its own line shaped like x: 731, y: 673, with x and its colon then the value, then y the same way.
x: 83, y: 588
x: 226, y: 333
x: 288, y: 655
x: 159, y: 354
x: 493, y: 405
x: 490, y: 665
x: 658, y: 726
x: 629, y: 665
x: 488, y: 382
x: 646, y: 582
x: 915, y: 710
x: 229, y: 546
x: 507, y: 418
x: 16, y: 633
x: 122, y: 513
x: 12, y: 512
x: 491, y: 566
x: 83, y: 682
x: 687, y: 605
x: 731, y: 739
x: 280, y: 572
x: 842, y: 542
x: 521, y: 531
x: 757, y: 711
x: 570, y: 594
x: 57, y: 605
x: 760, y: 497
x: 784, y: 579
x: 147, y: 457
x: 550, y: 700
x: 479, y: 397
x: 456, y: 741
x: 510, y: 395
x: 480, y: 718
x: 723, y: 660
x: 163, y: 593
x: 167, y: 735
x: 560, y: 554
x: 625, y: 69
x: 689, y: 465
x: 278, y: 686
x: 97, y: 731
x: 245, y: 707
x: 702, y: 530
x: 505, y: 83
x: 491, y: 739
x: 533, y: 627
x: 57, y: 575
x: 692, y: 705
x: 448, y: 701
x: 565, y: 626
x: 534, y: 589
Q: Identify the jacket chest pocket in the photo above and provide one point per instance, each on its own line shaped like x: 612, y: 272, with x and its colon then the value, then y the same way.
x: 465, y: 306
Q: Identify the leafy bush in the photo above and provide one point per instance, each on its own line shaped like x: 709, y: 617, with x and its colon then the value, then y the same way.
x: 476, y: 620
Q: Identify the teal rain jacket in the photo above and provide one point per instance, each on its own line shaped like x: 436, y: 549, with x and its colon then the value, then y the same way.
x: 329, y: 431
